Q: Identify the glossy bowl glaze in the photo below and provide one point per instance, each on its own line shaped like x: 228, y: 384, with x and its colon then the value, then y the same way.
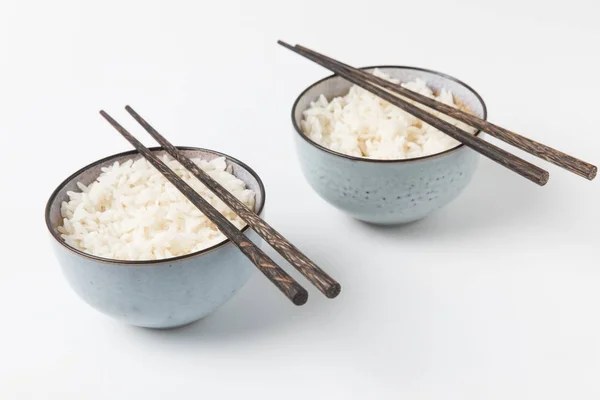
x: 386, y: 191
x: 157, y: 293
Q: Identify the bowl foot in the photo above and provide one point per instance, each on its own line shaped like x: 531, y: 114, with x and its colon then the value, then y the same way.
x: 168, y: 327
x: 390, y: 223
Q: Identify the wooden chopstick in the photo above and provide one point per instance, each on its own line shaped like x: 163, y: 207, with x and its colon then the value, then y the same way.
x: 537, y: 149
x: 290, y: 288
x: 504, y: 158
x: 327, y: 285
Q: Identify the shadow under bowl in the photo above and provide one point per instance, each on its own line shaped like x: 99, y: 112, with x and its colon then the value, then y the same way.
x: 386, y: 192
x: 163, y: 293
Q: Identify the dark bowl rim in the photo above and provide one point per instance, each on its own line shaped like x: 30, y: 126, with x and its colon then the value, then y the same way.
x: 217, y: 246
x: 376, y: 161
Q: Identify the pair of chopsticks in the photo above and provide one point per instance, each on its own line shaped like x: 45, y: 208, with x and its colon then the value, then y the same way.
x: 389, y: 92
x: 284, y: 282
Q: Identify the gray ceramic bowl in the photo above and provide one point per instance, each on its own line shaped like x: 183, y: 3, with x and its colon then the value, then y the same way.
x: 386, y: 191
x: 161, y: 293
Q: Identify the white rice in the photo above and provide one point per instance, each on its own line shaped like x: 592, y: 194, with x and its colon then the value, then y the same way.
x: 361, y: 124
x: 131, y: 211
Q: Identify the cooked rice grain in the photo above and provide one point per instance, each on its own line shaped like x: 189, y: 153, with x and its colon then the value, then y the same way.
x: 361, y: 124
x: 131, y: 211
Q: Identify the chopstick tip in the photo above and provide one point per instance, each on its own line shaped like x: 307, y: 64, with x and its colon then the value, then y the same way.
x: 105, y: 115
x: 284, y: 44
x: 300, y: 298
x: 544, y: 178
x: 333, y: 291
x: 593, y: 173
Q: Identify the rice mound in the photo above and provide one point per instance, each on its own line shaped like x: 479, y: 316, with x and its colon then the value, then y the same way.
x: 131, y: 211
x: 361, y: 124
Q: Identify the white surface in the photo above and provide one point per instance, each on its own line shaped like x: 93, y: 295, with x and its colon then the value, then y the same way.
x: 494, y: 297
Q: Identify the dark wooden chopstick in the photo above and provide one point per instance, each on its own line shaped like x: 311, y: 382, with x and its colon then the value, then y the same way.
x: 319, y: 278
x: 290, y: 288
x: 508, y: 160
x: 537, y: 149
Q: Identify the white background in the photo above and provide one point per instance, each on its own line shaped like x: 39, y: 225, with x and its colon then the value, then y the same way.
x: 496, y: 296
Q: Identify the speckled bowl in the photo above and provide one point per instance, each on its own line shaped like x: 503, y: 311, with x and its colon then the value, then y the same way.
x: 386, y: 191
x: 161, y: 293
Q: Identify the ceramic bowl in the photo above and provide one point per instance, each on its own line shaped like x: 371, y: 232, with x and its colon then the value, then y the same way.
x: 386, y: 191
x: 156, y: 293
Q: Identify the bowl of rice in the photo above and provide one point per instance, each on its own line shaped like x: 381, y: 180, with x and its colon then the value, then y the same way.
x: 134, y: 248
x: 376, y: 162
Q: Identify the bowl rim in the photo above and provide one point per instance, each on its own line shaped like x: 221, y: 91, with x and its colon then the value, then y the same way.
x: 81, y: 253
x: 393, y: 161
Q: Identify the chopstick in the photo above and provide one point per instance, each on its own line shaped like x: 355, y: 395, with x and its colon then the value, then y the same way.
x: 504, y: 158
x: 285, y: 283
x: 537, y: 149
x: 327, y: 285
